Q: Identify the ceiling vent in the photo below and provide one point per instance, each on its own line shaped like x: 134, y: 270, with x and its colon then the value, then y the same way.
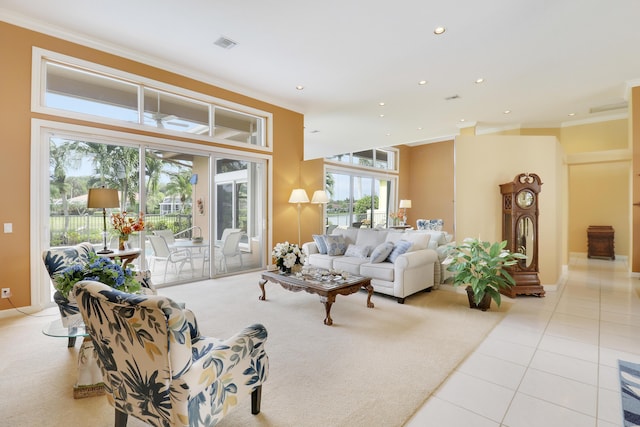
x: 449, y: 98
x: 609, y: 107
x: 225, y: 43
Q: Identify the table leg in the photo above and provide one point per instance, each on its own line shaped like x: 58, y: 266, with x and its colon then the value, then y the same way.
x: 369, y: 289
x: 328, y: 302
x: 261, y: 283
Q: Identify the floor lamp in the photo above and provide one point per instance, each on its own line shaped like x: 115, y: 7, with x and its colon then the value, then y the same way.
x: 298, y: 195
x: 320, y: 198
x: 103, y: 198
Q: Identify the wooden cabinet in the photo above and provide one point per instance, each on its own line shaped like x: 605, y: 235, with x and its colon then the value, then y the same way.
x: 600, y: 241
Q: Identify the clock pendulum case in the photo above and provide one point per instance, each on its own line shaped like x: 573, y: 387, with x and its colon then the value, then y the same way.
x: 520, y: 230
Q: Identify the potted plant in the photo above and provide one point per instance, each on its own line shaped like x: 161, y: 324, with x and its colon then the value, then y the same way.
x: 105, y: 270
x: 480, y: 266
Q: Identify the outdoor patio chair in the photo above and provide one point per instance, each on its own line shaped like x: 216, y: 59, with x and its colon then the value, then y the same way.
x: 161, y: 252
x: 230, y: 249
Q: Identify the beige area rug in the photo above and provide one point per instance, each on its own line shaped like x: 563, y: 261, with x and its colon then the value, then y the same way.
x: 372, y: 367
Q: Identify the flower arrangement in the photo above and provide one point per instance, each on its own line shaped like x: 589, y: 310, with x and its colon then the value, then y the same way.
x: 287, y: 255
x: 105, y: 270
x: 126, y: 225
x: 481, y: 266
x: 395, y: 217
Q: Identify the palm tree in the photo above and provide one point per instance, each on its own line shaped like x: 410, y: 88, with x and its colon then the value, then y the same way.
x: 62, y: 154
x: 180, y: 185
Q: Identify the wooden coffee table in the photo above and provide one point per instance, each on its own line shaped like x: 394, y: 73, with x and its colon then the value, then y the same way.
x: 327, y: 290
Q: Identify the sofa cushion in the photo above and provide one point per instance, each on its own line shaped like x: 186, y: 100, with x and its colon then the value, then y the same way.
x: 357, y: 251
x: 380, y: 271
x: 381, y: 252
x: 401, y: 247
x: 349, y: 234
x: 321, y: 261
x: 394, y: 235
x: 320, y: 243
x: 349, y: 264
x: 336, y: 244
x: 419, y: 240
x: 370, y: 237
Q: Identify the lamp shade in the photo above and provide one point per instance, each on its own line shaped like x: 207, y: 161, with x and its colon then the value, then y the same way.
x: 103, y: 198
x: 320, y: 196
x: 298, y: 195
x: 404, y: 204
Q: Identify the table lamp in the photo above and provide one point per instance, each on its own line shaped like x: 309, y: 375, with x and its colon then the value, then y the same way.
x: 103, y: 198
x: 320, y: 198
x: 298, y: 195
x: 404, y: 205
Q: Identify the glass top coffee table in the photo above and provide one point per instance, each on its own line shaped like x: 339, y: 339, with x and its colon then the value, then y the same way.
x: 321, y: 283
x: 89, y: 381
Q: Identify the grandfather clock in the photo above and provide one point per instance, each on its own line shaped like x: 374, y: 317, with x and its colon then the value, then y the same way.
x: 520, y: 230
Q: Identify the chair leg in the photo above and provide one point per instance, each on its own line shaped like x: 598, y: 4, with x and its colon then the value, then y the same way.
x: 256, y: 397
x: 72, y: 342
x: 121, y: 419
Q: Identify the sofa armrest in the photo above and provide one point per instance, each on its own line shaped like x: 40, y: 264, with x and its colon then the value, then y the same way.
x: 309, y: 248
x: 416, y: 259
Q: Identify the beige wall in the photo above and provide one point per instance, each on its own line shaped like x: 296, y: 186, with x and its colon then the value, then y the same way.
x: 485, y: 162
x: 15, y: 121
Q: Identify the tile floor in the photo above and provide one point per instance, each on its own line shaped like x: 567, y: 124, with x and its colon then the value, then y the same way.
x: 552, y: 362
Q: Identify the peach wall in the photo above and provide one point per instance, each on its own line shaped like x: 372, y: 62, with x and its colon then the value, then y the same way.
x: 485, y: 162
x: 15, y: 116
x: 635, y: 183
x: 599, y: 136
x: 431, y: 183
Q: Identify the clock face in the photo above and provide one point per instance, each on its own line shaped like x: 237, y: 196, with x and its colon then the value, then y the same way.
x: 525, y: 199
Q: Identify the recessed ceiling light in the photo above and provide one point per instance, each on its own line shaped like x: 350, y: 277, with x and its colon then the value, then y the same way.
x: 479, y: 80
x: 507, y: 111
x: 381, y: 115
x: 461, y: 120
x: 388, y: 134
x: 572, y: 114
x: 299, y: 87
x: 381, y: 104
x: 422, y: 82
x: 420, y: 128
x: 439, y: 30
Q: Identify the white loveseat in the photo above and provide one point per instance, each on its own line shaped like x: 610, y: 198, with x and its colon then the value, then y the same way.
x: 416, y: 270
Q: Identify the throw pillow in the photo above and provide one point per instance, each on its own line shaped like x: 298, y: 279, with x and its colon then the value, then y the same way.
x: 357, y: 251
x: 419, y: 239
x: 336, y: 245
x: 381, y: 252
x: 400, y: 247
x: 320, y: 243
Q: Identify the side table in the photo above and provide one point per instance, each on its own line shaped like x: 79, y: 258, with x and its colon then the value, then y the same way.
x: 127, y: 255
x: 89, y: 381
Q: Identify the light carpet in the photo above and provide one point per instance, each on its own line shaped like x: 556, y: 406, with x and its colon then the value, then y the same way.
x: 372, y: 367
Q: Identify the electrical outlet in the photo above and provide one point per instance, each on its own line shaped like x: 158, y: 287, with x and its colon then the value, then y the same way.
x: 6, y: 292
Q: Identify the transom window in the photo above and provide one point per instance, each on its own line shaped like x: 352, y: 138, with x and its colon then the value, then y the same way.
x: 84, y: 91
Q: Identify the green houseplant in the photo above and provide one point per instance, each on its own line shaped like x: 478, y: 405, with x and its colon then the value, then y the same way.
x: 108, y: 271
x: 480, y: 266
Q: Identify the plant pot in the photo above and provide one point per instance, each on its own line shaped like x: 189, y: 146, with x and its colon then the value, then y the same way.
x: 485, y: 303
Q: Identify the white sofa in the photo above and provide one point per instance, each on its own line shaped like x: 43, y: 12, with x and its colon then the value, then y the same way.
x: 416, y: 270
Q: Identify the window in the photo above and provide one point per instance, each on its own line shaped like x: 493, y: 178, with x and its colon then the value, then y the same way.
x: 358, y: 200
x: 128, y: 99
x: 376, y: 158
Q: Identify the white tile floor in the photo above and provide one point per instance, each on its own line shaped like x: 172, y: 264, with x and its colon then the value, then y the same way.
x: 553, y: 361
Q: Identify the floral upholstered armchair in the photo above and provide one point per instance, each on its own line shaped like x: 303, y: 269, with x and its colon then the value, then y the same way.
x: 158, y: 368
x: 57, y: 259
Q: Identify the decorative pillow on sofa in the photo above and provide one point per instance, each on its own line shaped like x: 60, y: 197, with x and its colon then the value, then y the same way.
x: 336, y: 244
x: 400, y: 247
x: 357, y: 251
x: 381, y: 252
x: 419, y: 239
x: 319, y: 240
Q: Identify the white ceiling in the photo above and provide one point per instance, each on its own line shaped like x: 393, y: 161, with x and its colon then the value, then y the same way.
x: 541, y: 59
